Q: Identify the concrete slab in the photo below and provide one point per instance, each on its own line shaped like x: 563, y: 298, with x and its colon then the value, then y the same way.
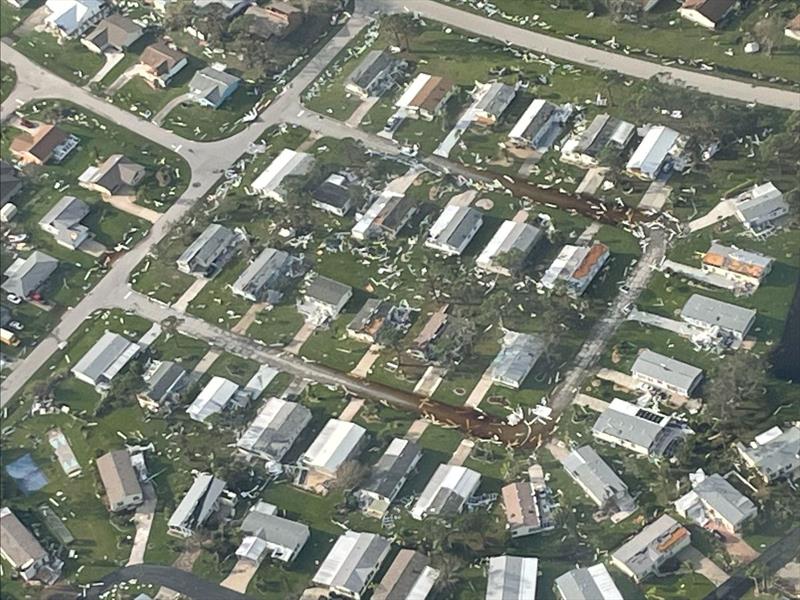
x: 350, y: 411
x: 521, y: 216
x: 429, y: 381
x: 656, y: 196
x: 240, y: 576
x: 703, y: 565
x: 719, y: 213
x: 461, y: 453
x: 361, y: 370
x: 591, y: 402
x: 592, y: 180
x: 128, y: 205
x: 247, y: 319
x: 479, y: 392
x: 416, y: 430
x: 617, y: 378
x: 190, y: 294
x: 359, y: 113
x: 143, y: 520
x: 301, y: 337
x: 205, y: 363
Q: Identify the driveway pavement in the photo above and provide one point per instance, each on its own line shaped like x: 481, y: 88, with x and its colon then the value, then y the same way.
x: 143, y: 519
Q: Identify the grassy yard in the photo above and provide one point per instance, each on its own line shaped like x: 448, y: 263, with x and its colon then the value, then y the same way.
x: 160, y: 281
x: 68, y: 59
x: 196, y: 122
x: 8, y: 79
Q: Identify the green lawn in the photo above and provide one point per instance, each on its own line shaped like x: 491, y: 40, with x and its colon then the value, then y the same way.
x: 276, y: 326
x: 160, y: 281
x: 8, y: 79
x: 196, y: 122
x: 69, y: 59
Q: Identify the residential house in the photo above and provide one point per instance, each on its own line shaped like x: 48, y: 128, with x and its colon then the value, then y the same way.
x: 337, y: 443
x: 267, y: 534
x: 159, y: 63
x: 409, y: 577
x: 376, y: 316
x: 587, y: 583
x: 665, y: 373
x: 741, y: 266
x: 123, y: 490
x: 103, y: 362
x: 63, y: 222
x: 267, y: 277
x: 20, y: 549
x: 706, y: 13
x: 526, y: 509
x: 654, y: 545
x: 775, y: 454
x: 429, y: 333
x: 72, y: 18
x: 452, y: 232
x: 114, y: 34
x: 761, y: 208
x: 165, y: 382
x: 277, y: 19
x: 274, y: 430
x: 260, y: 381
x: 518, y: 354
x: 271, y: 182
x: 26, y: 276
x: 10, y: 183
x: 198, y: 505
x: 323, y: 300
x: 352, y: 563
x: 115, y: 176
x: 386, y: 216
x: 539, y: 126
x: 709, y: 313
x: 713, y: 502
x: 378, y: 71
x: 509, y: 248
x: 426, y: 96
x: 655, y: 153
x: 598, y: 480
x: 218, y: 395
x: 512, y: 578
x: 388, y: 476
x: 446, y: 492
x: 210, y: 252
x: 64, y: 453
x: 638, y: 429
x: 575, y: 268
x: 792, y: 29
x: 41, y: 144
x: 210, y: 87
x: 334, y: 194
x: 584, y: 149
x: 491, y: 101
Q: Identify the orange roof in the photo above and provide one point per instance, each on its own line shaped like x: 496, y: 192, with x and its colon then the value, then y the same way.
x: 432, y: 93
x: 731, y: 264
x: 432, y: 327
x: 587, y: 264
x: 794, y: 24
x: 40, y: 142
x: 672, y: 539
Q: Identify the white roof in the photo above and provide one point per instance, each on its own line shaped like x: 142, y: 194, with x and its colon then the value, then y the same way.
x: 68, y: 15
x: 512, y: 578
x: 509, y: 236
x: 590, y: 583
x: 448, y: 482
x: 352, y: 561
x: 364, y: 224
x: 412, y: 90
x: 106, y: 358
x: 284, y: 164
x: 653, y: 149
x: 518, y: 131
x: 334, y: 445
x: 212, y: 399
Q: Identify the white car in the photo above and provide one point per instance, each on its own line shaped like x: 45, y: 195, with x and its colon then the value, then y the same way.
x: 14, y: 299
x: 16, y: 325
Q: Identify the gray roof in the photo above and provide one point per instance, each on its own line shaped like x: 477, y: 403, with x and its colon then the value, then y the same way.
x: 780, y: 455
x: 602, y: 131
x: 275, y: 429
x: 633, y: 424
x: 116, y: 31
x: 19, y: 544
x: 208, y: 247
x: 328, y: 291
x: 65, y: 217
x: 25, y: 276
x: 644, y: 551
x: 725, y: 499
x: 666, y: 369
x: 106, y: 358
x: 588, y: 583
x: 118, y: 476
x: 265, y: 277
x: 395, y: 464
x: 402, y: 576
x: 274, y: 529
x: 199, y: 502
x: 710, y: 311
x: 585, y: 465
x: 374, y: 65
x: 760, y: 203
x: 168, y: 378
x: 334, y: 191
x: 352, y: 560
x: 10, y: 183
x: 117, y: 173
x: 517, y: 357
x: 496, y: 99
x: 512, y: 578
x: 460, y: 226
x: 213, y: 85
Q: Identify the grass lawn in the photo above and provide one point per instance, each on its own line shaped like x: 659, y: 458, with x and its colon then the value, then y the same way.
x: 196, y: 122
x: 277, y: 326
x: 181, y: 348
x: 215, y: 303
x: 687, y: 585
x: 69, y: 59
x: 332, y: 347
x: 8, y: 79
x: 160, y: 281
x: 235, y: 368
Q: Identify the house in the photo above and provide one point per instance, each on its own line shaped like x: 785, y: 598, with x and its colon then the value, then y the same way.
x: 518, y: 355
x: 377, y: 316
x: 197, y: 506
x: 587, y: 583
x: 539, y: 126
x: 706, y: 13
x: 277, y: 19
x: 337, y: 443
x: 270, y: 183
x: 72, y: 18
x: 709, y: 313
x: 210, y: 87
x: 425, y: 97
x: 713, y: 502
x: 509, y: 248
x: 761, y: 208
x: 526, y: 509
x: 491, y: 101
x: 452, y: 232
x: 446, y: 492
x: 352, y: 563
x: 792, y: 29
x: 274, y: 430
x: 259, y: 382
x: 584, y: 149
x: 575, y: 268
x: 597, y: 480
x: 159, y: 63
x: 105, y: 360
x: 409, y: 577
x: 10, y: 183
x: 20, y: 549
x: 333, y: 194
x: 165, y: 381
x: 388, y: 476
x: 735, y: 264
x: 654, y: 545
x: 64, y: 453
x: 218, y: 395
x: 512, y: 578
x: 123, y: 491
x: 114, y: 34
x: 63, y: 222
x: 665, y: 373
x: 41, y: 144
x: 775, y: 454
x: 115, y: 176
x: 267, y: 277
x: 26, y: 276
x: 386, y: 216
x: 267, y: 534
x: 375, y: 75
x: 323, y: 300
x: 655, y: 153
x: 210, y: 252
x: 429, y: 333
x: 638, y: 429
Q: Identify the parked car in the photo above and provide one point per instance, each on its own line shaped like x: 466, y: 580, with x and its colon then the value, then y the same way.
x: 16, y: 325
x: 14, y: 299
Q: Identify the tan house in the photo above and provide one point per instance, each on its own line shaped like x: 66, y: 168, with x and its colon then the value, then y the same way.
x: 123, y: 490
x: 159, y: 64
x: 277, y: 19
x: 42, y: 143
x: 792, y: 29
x: 426, y: 96
x: 115, y: 33
x: 116, y: 176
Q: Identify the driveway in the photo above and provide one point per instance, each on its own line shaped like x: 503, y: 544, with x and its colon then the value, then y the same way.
x: 702, y: 565
x: 143, y: 519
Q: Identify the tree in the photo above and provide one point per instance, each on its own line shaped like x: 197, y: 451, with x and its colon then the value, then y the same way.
x: 769, y: 31
x: 624, y: 8
x: 402, y: 26
x: 736, y: 390
x: 349, y: 475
